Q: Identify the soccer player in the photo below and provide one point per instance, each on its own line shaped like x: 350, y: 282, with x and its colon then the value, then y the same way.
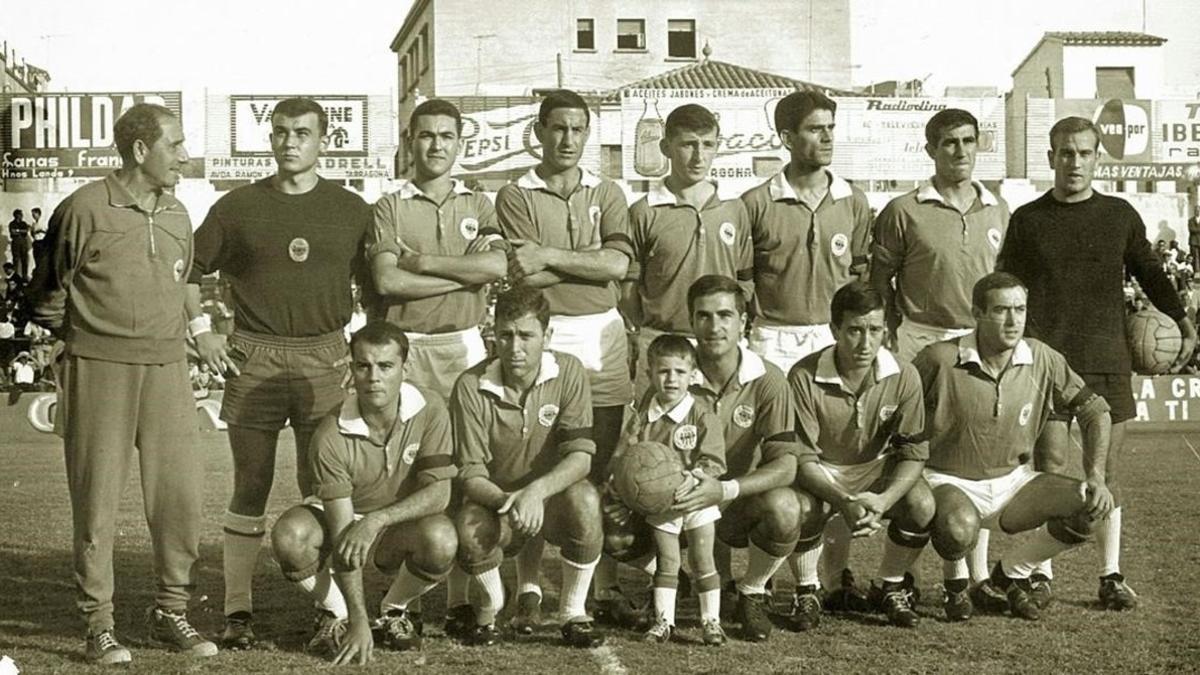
x: 569, y: 232
x: 812, y: 235
x: 860, y: 420
x: 760, y: 508
x: 682, y: 229
x: 289, y: 245
x: 671, y: 416
x: 430, y: 255
x: 523, y: 444
x: 112, y: 285
x: 1072, y: 247
x: 381, y: 469
x: 988, y: 395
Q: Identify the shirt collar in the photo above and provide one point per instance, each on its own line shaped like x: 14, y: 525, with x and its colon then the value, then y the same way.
x: 750, y: 369
x: 968, y: 352
x: 350, y: 419
x: 781, y: 189
x: 120, y: 197
x: 492, y: 379
x: 408, y: 189
x: 660, y: 195
x: 532, y: 181
x: 677, y: 414
x: 926, y: 192
x: 886, y: 366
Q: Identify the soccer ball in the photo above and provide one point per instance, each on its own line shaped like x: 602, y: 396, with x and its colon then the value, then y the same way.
x: 645, y: 476
x: 1154, y: 341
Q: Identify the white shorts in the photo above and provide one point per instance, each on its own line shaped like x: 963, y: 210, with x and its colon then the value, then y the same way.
x: 854, y: 478
x: 785, y: 345
x: 912, y: 337
x: 990, y: 496
x: 435, y: 360
x: 674, y: 523
x: 600, y: 344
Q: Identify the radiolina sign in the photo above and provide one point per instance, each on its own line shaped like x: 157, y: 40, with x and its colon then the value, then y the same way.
x: 66, y: 135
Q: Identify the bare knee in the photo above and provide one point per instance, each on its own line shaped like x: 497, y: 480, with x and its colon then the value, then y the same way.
x: 478, y: 533
x: 919, y: 507
x: 297, y: 537
x: 781, y: 512
x: 954, y: 530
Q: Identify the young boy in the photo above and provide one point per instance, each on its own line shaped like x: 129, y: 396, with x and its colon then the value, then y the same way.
x: 668, y: 414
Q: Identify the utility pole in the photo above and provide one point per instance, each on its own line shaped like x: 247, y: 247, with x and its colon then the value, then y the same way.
x: 479, y: 38
x: 558, y: 62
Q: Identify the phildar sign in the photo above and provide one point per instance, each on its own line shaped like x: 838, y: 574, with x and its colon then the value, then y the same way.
x: 66, y: 135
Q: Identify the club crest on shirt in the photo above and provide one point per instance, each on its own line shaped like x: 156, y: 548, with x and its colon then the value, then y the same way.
x: 743, y: 416
x: 178, y: 270
x: 469, y: 227
x: 410, y: 453
x: 685, y: 436
x: 886, y: 412
x: 993, y: 236
x: 727, y: 233
x: 547, y: 414
x: 298, y: 249
x: 594, y: 215
x: 838, y: 244
x: 1025, y: 414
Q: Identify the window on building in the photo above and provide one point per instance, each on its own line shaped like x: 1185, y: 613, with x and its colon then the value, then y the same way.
x: 631, y: 34
x: 404, y: 79
x: 681, y: 38
x: 424, y: 42
x: 585, y: 33
x: 1114, y: 83
x: 610, y: 161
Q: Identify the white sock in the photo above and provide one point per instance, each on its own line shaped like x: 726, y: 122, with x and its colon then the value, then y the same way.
x: 458, y: 587
x: 710, y: 604
x: 804, y: 566
x: 955, y: 569
x: 493, y: 596
x: 325, y: 593
x: 759, y: 570
x: 576, y: 580
x: 243, y: 539
x: 405, y: 588
x: 1108, y: 535
x: 896, y: 560
x: 1020, y: 562
x: 977, y: 559
x: 529, y: 566
x: 608, y: 585
x: 664, y: 604
x: 836, y: 556
x: 1045, y: 568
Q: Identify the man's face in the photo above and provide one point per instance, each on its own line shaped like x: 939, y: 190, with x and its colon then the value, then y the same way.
x: 670, y: 375
x: 563, y: 137
x: 954, y: 154
x: 378, y: 372
x: 297, y: 142
x: 434, y: 143
x: 1001, y: 324
x: 37, y: 214
x: 811, y: 142
x: 859, y: 337
x: 717, y: 324
x: 691, y: 154
x: 520, y: 344
x: 1074, y: 162
x: 163, y: 161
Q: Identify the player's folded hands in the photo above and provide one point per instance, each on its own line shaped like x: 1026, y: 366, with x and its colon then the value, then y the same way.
x: 525, y: 510
x: 355, y: 542
x: 1100, y: 501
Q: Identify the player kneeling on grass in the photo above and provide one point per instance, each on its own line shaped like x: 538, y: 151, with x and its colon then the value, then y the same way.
x: 988, y: 396
x: 669, y: 415
x: 523, y: 443
x: 382, y: 470
x: 860, y: 420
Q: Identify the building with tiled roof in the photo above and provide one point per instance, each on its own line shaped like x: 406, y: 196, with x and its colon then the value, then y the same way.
x: 710, y: 74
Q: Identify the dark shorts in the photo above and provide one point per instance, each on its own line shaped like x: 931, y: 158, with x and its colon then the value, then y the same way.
x: 1116, y: 389
x: 282, y: 380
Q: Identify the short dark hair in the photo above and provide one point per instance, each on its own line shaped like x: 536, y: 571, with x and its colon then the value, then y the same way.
x: 299, y: 106
x: 670, y: 345
x: 379, y: 334
x: 691, y: 117
x: 945, y: 120
x: 712, y: 284
x: 856, y: 298
x: 992, y: 282
x: 36, y: 210
x: 520, y: 301
x: 18, y: 212
x: 1069, y: 126
x: 141, y: 122
x: 794, y: 107
x: 432, y: 107
x: 562, y: 98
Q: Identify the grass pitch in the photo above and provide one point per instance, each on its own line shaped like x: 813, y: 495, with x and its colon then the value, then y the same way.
x: 41, y: 631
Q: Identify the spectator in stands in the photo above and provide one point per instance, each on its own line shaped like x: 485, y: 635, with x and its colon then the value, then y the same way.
x: 20, y: 242
x: 23, y: 372
x: 12, y: 283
